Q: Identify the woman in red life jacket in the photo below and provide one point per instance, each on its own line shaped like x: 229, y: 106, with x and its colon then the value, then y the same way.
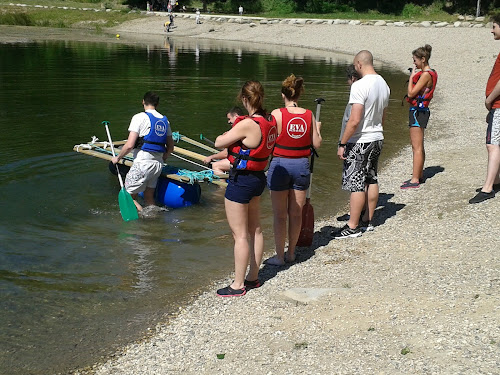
x: 250, y: 143
x: 421, y: 86
x: 288, y: 177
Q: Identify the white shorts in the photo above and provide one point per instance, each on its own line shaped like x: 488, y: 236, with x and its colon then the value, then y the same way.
x: 142, y: 174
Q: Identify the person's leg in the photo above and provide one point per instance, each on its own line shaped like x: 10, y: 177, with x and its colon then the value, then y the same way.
x: 417, y: 145
x: 356, y: 204
x: 492, y: 170
x: 237, y: 217
x: 149, y: 196
x: 221, y: 167
x: 256, y: 239
x: 372, y: 193
x: 296, y: 201
x: 137, y: 204
x: 279, y: 200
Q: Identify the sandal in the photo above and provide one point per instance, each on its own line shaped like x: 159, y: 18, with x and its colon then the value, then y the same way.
x: 252, y: 284
x: 410, y: 185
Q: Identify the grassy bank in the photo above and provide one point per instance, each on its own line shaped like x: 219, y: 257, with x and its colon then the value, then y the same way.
x: 66, y: 14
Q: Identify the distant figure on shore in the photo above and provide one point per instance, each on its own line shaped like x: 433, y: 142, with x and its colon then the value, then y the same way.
x: 288, y: 177
x: 361, y: 144
x: 197, y: 16
x: 148, y: 6
x: 421, y: 86
x: 240, y: 10
x: 250, y: 143
x: 492, y: 183
x: 150, y: 138
x: 222, y: 165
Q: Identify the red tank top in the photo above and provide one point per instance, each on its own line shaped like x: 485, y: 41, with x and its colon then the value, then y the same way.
x: 295, y: 139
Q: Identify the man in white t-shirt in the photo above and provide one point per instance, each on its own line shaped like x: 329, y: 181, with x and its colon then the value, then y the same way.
x: 240, y: 10
x: 361, y: 144
x: 150, y: 139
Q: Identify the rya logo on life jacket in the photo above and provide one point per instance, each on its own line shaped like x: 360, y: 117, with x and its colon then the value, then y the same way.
x: 296, y: 127
x: 271, y: 137
x: 160, y: 128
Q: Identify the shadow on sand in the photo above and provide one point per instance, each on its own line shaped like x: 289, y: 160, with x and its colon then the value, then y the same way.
x: 385, y: 210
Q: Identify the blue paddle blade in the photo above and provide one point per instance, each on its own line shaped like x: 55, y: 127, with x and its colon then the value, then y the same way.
x: 127, y: 206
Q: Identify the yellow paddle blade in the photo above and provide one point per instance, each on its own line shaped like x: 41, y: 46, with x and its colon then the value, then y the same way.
x: 127, y: 206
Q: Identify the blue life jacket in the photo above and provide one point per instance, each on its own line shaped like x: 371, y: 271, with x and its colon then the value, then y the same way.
x: 156, y: 140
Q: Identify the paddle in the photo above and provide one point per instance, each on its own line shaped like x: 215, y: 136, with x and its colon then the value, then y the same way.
x: 125, y: 201
x: 307, y: 229
x: 203, y: 138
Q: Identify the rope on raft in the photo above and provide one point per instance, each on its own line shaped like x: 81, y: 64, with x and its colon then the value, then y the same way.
x: 176, y: 136
x: 89, y: 146
x: 197, y: 176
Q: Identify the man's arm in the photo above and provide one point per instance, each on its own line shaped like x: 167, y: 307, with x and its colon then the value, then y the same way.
x: 217, y: 156
x: 351, y: 126
x: 493, y: 95
x: 127, y: 147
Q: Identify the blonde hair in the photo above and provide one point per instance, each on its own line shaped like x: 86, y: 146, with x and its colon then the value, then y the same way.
x: 424, y: 51
x: 254, y: 93
x: 292, y: 87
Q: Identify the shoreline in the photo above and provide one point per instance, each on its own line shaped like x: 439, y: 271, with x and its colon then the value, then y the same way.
x: 420, y: 294
x: 426, y: 282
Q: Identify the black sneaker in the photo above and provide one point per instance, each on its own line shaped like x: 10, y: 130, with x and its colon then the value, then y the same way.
x: 482, y: 196
x: 347, y: 232
x: 496, y: 188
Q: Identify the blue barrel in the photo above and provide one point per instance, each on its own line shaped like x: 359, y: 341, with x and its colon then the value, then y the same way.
x: 175, y: 194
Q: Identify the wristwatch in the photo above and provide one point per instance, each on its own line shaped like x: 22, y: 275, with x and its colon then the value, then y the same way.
x: 342, y: 144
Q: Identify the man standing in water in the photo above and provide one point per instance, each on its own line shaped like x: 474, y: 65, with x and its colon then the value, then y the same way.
x: 150, y: 137
x: 361, y: 143
x: 492, y: 102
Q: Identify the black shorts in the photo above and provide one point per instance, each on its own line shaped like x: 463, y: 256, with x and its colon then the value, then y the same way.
x: 360, y: 165
x: 419, y: 117
x: 243, y: 185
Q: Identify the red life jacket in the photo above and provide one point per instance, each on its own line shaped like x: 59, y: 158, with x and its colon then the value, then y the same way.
x: 295, y: 139
x: 422, y: 101
x: 254, y: 159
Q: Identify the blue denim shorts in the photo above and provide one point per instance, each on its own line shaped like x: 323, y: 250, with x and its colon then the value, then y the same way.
x: 288, y: 174
x: 243, y: 185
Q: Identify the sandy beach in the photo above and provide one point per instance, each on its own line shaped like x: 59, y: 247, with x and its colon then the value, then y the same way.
x: 419, y: 295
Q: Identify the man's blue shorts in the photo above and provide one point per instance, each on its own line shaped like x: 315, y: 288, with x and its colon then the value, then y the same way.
x: 243, y: 185
x: 288, y: 174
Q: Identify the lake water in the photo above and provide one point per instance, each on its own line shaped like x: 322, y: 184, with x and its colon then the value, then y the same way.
x: 76, y: 282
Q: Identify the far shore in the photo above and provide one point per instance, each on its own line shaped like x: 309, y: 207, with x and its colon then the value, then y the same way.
x: 419, y: 295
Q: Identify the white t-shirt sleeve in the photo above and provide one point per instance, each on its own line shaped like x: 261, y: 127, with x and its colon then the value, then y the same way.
x: 140, y: 124
x: 358, y: 95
